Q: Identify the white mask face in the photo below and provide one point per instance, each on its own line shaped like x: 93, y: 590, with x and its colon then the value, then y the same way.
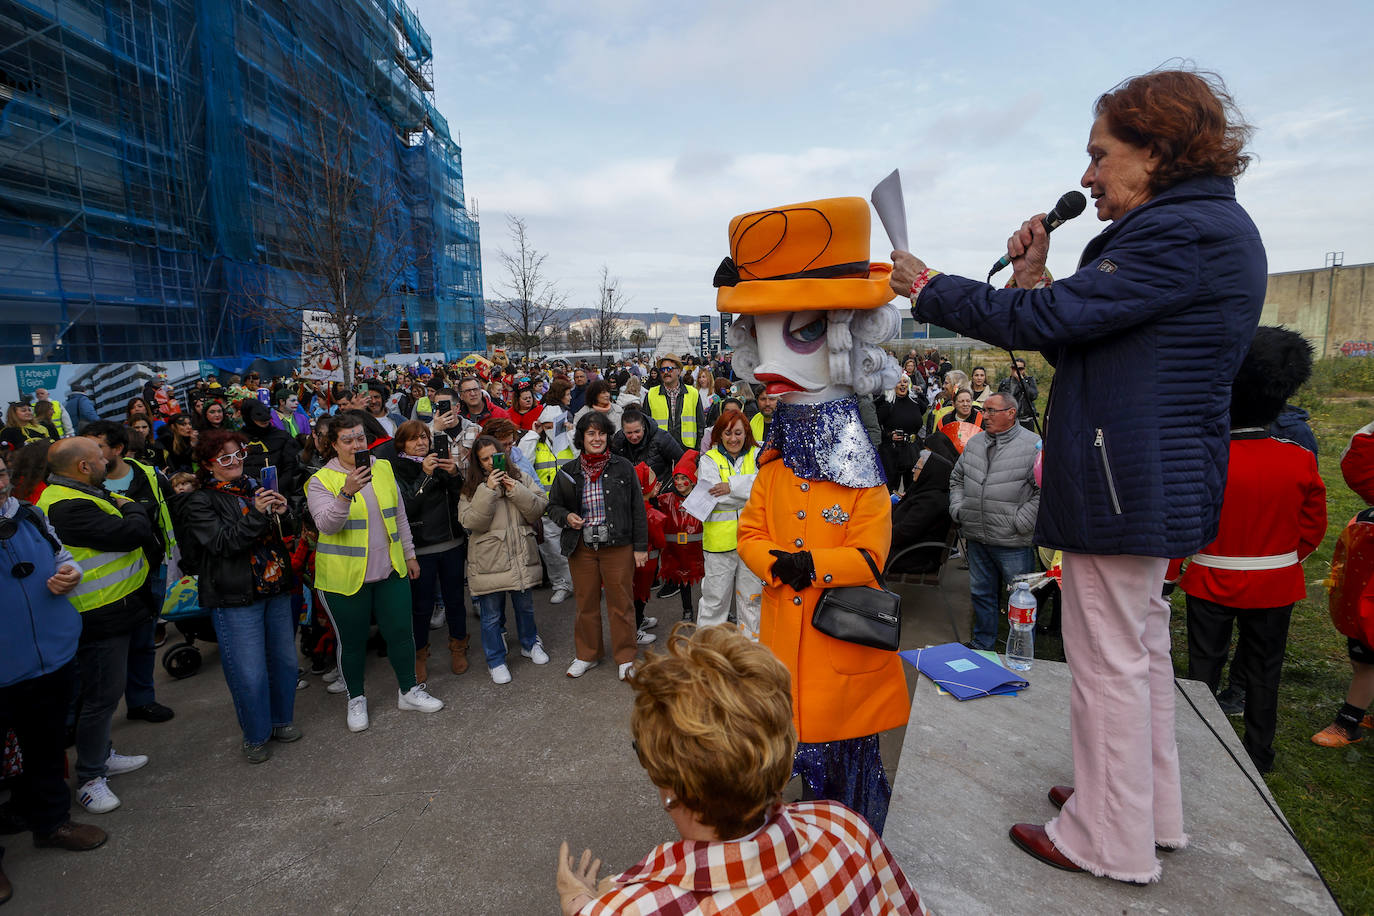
x: 794, y: 357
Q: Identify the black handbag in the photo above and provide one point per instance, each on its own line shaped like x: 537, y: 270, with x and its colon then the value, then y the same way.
x: 861, y: 614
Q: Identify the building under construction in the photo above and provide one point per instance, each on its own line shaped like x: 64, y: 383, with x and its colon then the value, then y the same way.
x: 163, y: 181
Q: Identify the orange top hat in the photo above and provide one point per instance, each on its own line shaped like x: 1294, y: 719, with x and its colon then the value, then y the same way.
x: 810, y: 256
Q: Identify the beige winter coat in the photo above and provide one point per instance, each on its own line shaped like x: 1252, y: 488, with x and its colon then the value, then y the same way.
x: 503, y: 555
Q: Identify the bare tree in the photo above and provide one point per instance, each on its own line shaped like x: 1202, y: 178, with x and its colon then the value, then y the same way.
x: 343, y: 241
x: 531, y: 302
x: 607, y: 329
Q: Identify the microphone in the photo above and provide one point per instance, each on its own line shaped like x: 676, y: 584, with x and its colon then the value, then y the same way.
x: 1069, y: 206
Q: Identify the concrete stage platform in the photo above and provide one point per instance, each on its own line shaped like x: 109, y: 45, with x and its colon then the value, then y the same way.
x: 970, y: 770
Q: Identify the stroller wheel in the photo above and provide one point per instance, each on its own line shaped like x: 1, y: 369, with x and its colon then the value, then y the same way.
x: 182, y: 660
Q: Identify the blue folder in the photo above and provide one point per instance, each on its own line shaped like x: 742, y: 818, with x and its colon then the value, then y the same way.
x: 963, y: 672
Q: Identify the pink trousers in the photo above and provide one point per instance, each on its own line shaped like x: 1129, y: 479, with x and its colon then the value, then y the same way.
x: 1126, y: 796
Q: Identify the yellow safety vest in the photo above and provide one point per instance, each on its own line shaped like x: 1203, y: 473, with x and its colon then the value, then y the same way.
x: 424, y: 406
x: 107, y: 575
x: 721, y: 527
x: 164, y: 516
x: 341, y: 557
x: 57, y: 417
x: 546, y: 462
x: 756, y: 424
x: 658, y: 409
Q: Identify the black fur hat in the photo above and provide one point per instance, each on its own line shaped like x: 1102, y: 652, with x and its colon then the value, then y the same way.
x: 1277, y: 365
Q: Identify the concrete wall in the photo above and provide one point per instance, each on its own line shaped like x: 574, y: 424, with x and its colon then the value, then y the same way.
x: 1331, y: 306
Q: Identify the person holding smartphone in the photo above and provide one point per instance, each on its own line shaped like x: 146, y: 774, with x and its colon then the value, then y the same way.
x: 500, y: 506
x: 430, y: 482
x: 364, y: 563
x: 232, y: 527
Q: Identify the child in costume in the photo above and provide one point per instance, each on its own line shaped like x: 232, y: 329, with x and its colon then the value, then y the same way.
x: 682, y: 562
x: 813, y: 313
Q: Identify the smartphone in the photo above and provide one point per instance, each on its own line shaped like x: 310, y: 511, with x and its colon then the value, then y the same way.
x: 268, y: 478
x: 441, y: 446
x: 498, y: 462
x: 443, y: 407
x: 363, y: 459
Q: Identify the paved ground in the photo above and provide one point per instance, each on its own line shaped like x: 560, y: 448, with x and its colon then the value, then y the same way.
x: 457, y: 812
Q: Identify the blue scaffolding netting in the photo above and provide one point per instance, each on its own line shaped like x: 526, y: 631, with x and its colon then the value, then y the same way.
x: 160, y: 158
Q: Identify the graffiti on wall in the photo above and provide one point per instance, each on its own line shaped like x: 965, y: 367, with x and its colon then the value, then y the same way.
x: 1357, y: 348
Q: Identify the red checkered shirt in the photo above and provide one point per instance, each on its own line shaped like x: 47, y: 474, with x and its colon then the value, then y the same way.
x: 810, y: 859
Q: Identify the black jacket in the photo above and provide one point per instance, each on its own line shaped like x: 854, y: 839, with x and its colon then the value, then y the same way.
x: 624, y: 504
x: 431, y: 502
x: 269, y: 445
x: 218, y: 537
x: 78, y: 523
x: 923, y: 513
x: 658, y: 449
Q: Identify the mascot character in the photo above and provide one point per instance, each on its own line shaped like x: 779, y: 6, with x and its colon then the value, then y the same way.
x: 813, y: 311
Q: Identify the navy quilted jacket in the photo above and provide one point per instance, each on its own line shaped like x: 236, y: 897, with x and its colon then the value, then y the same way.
x: 1163, y: 304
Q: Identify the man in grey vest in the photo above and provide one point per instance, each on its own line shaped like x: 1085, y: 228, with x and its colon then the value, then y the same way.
x: 994, y: 498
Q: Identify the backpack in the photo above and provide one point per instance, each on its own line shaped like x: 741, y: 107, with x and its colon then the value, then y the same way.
x: 1351, y: 583
x: 34, y: 516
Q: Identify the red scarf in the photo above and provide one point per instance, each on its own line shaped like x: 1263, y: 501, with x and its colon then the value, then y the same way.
x: 593, y: 465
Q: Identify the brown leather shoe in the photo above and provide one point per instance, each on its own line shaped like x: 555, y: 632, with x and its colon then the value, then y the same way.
x: 73, y: 836
x: 1033, y: 839
x: 1059, y: 795
x: 458, y: 654
x: 422, y: 665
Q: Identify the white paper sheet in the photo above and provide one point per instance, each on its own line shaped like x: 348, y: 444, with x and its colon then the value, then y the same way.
x: 891, y: 207
x: 699, y: 503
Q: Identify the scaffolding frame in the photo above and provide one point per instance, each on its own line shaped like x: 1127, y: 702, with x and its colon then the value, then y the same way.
x: 132, y: 222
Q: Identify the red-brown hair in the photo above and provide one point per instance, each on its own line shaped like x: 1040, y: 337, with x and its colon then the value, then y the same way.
x: 727, y: 418
x: 1187, y: 118
x: 210, y: 444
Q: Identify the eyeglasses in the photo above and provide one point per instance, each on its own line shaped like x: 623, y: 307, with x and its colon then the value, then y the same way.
x: 997, y: 409
x: 667, y: 368
x: 225, y: 460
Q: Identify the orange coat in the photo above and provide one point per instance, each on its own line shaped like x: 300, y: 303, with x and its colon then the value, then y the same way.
x: 839, y: 690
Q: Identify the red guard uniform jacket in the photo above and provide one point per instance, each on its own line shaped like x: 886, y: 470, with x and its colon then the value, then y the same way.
x: 839, y: 690
x: 1275, y: 503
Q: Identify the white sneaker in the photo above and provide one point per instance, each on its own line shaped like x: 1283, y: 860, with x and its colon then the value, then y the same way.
x: 332, y: 675
x: 500, y: 674
x: 302, y: 683
x: 96, y: 797
x: 437, y: 619
x: 579, y: 667
x: 643, y: 639
x: 357, y: 714
x: 338, y: 685
x: 117, y: 764
x: 649, y: 623
x: 627, y: 670
x: 536, y: 653
x: 559, y: 596
x: 418, y: 699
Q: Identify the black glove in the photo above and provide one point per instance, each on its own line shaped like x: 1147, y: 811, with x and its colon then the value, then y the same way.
x: 794, y: 569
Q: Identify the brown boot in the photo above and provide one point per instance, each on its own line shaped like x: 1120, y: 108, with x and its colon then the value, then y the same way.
x: 422, y: 665
x: 458, y: 650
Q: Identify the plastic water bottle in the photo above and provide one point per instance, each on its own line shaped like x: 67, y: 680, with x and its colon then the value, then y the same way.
x: 1021, y: 616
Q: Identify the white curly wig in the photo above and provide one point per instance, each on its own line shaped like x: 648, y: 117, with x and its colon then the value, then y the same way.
x: 854, y: 338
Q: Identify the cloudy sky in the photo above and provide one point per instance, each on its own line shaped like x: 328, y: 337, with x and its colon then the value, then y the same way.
x: 629, y: 133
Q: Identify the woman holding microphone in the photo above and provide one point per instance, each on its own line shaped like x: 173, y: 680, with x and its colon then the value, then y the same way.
x: 1133, y: 473
x: 363, y: 564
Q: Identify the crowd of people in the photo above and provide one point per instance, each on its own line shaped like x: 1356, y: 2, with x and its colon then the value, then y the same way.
x: 309, y: 513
